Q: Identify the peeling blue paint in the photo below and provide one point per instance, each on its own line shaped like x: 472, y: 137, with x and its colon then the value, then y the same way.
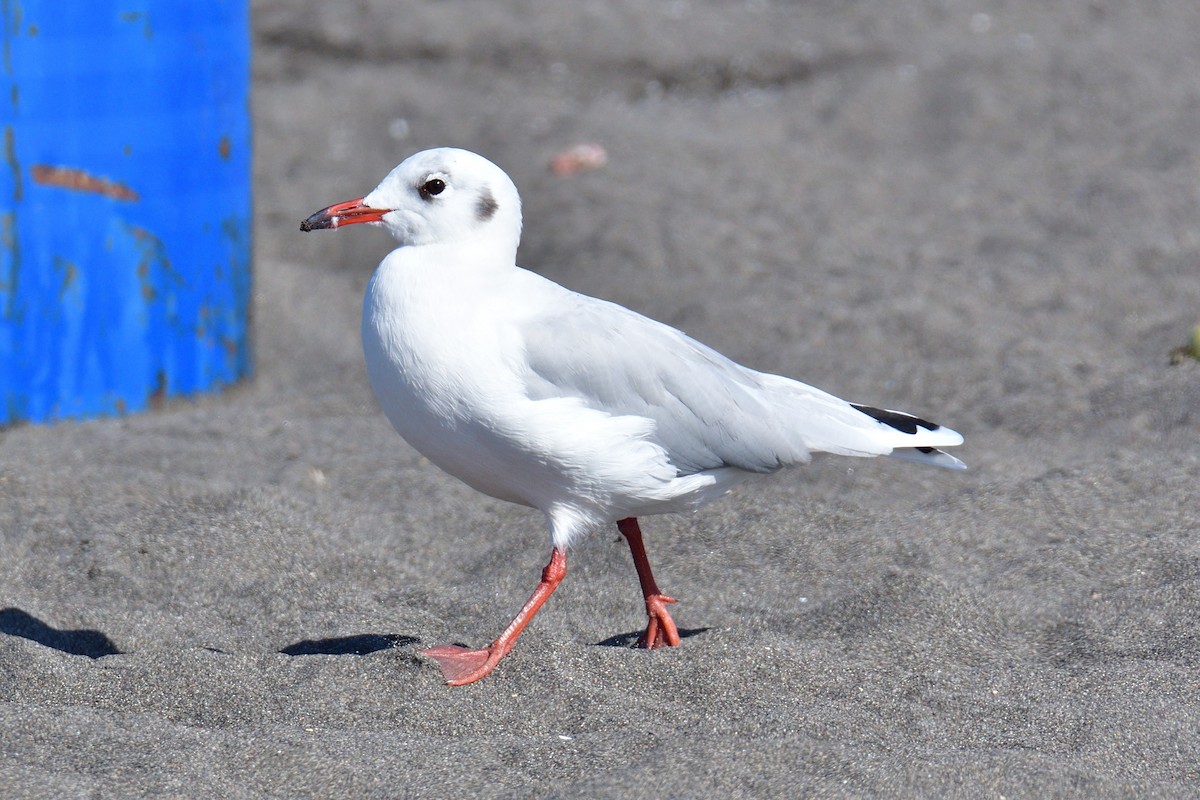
x: 124, y: 204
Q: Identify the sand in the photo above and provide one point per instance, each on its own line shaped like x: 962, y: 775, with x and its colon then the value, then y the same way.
x: 983, y: 213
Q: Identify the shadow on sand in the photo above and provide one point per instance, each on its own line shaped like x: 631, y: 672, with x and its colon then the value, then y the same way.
x: 359, y: 645
x: 631, y: 639
x: 92, y: 644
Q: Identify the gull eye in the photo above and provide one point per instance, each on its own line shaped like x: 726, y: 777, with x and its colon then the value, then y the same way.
x: 431, y: 187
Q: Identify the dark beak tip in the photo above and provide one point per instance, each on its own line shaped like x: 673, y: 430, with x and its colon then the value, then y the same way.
x: 318, y: 221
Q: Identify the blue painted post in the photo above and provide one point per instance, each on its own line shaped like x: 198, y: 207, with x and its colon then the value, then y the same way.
x: 124, y: 204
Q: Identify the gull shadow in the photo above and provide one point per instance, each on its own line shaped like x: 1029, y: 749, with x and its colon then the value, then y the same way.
x: 359, y: 645
x: 631, y: 639
x: 92, y: 644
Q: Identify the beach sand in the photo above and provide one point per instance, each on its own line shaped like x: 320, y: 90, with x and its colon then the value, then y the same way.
x: 985, y: 214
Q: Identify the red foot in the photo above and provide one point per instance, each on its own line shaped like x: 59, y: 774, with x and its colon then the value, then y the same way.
x: 660, y: 631
x: 462, y: 666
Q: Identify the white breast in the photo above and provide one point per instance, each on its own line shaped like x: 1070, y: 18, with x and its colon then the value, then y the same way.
x: 446, y: 358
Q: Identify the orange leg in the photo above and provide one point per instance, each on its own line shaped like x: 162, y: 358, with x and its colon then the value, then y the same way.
x: 660, y: 630
x: 460, y: 665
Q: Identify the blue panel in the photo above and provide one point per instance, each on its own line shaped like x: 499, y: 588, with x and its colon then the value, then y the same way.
x: 124, y: 204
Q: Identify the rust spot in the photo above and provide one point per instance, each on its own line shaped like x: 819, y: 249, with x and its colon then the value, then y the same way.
x: 158, y: 395
x: 224, y: 147
x: 153, y: 253
x: 80, y: 181
x: 70, y: 273
x: 143, y: 235
x: 10, y: 155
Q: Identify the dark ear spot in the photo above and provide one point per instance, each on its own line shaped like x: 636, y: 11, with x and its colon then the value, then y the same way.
x: 485, y: 207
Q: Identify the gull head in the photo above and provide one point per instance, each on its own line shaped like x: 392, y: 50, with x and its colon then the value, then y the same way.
x: 442, y: 196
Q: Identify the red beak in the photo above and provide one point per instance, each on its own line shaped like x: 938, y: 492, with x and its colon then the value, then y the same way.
x: 347, y: 213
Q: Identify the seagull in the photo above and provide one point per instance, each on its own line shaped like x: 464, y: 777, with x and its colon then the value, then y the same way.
x: 575, y: 406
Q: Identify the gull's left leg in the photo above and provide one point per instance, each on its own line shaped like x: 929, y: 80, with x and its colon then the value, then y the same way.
x: 461, y: 665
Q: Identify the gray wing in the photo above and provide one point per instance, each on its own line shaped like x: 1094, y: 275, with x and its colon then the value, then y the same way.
x: 709, y: 411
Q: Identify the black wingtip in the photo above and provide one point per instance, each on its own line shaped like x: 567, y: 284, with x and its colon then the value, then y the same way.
x: 905, y: 423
